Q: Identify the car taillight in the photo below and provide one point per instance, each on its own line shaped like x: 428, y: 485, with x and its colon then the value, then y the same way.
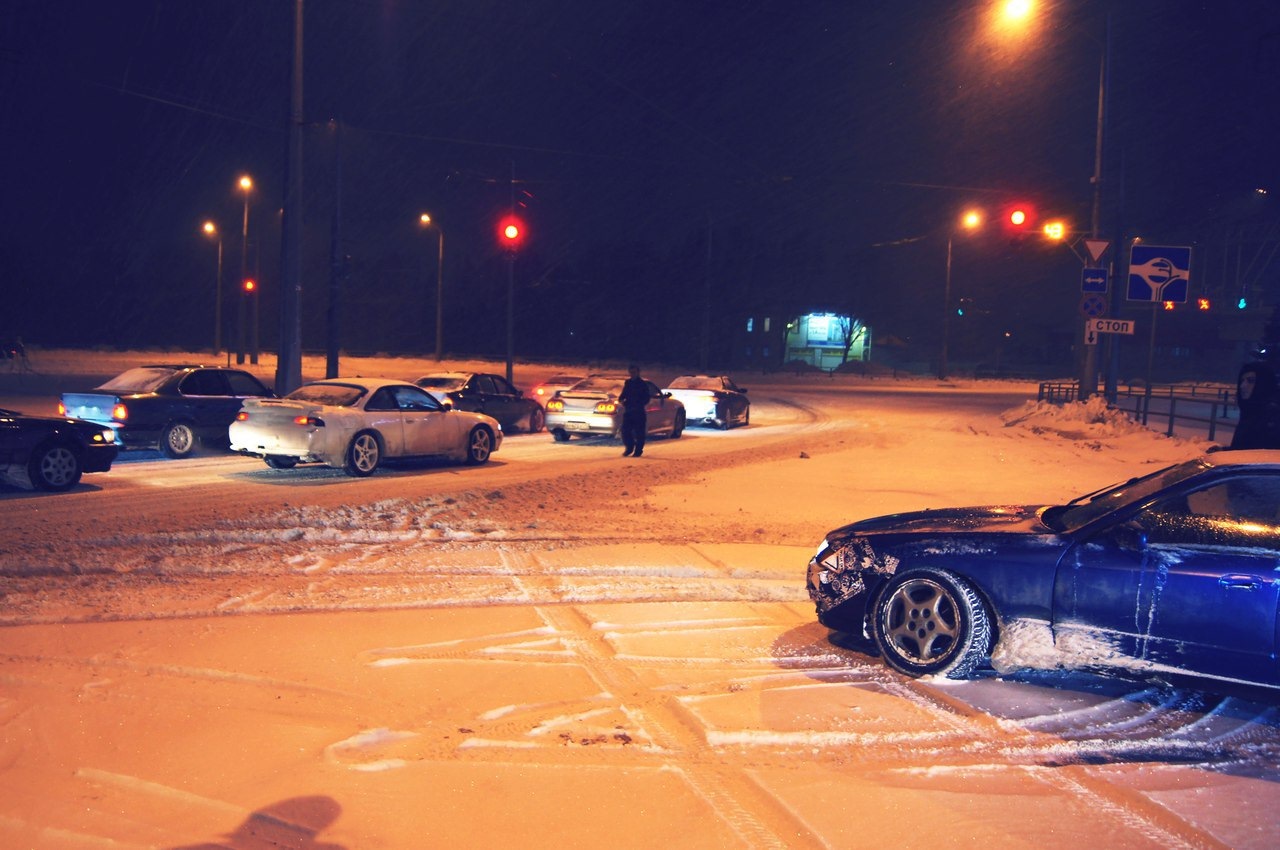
x: 555, y: 404
x: 62, y: 409
x: 312, y: 421
x: 242, y: 416
x: 607, y: 407
x: 120, y: 412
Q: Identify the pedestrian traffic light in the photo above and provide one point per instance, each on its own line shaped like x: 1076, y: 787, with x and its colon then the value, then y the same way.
x: 511, y: 233
x: 1055, y: 230
x: 1242, y: 303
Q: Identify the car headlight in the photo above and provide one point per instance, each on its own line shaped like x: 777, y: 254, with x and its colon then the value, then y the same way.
x: 106, y: 435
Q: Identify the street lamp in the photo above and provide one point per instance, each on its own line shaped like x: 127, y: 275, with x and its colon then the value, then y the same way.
x: 1021, y: 14
x: 211, y: 230
x: 427, y: 221
x: 970, y: 221
x: 246, y: 186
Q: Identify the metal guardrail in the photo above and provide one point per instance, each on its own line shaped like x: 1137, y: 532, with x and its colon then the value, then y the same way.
x: 1199, y: 408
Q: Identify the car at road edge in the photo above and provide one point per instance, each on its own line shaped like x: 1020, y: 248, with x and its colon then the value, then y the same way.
x: 1169, y: 574
x: 50, y: 453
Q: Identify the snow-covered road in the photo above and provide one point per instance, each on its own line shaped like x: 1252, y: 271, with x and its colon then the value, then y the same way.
x: 567, y: 648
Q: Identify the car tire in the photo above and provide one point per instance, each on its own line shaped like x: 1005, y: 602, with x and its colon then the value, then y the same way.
x: 725, y: 422
x: 929, y: 622
x: 560, y: 435
x: 281, y: 462
x: 479, y: 445
x: 178, y: 440
x: 54, y: 467
x: 746, y: 417
x: 363, y: 455
x: 537, y: 420
x: 677, y: 427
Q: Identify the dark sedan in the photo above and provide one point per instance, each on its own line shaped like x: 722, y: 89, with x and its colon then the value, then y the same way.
x: 169, y: 407
x: 1174, y: 573
x: 51, y: 453
x: 491, y: 395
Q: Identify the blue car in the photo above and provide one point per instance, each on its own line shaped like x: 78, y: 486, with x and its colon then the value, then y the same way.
x: 1174, y: 573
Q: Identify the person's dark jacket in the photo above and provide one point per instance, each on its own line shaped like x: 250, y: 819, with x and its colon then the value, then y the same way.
x: 1259, y: 425
x: 634, y: 397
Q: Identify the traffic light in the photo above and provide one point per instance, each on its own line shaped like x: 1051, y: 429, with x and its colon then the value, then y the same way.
x: 250, y: 285
x: 1055, y: 230
x: 1019, y: 219
x: 511, y: 233
x: 1202, y: 303
x: 1242, y: 303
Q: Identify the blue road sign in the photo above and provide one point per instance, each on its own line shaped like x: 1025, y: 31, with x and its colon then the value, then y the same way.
x: 1093, y: 306
x: 1159, y: 273
x: 1093, y: 280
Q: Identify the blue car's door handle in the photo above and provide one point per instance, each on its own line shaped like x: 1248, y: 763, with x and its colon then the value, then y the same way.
x: 1241, y: 582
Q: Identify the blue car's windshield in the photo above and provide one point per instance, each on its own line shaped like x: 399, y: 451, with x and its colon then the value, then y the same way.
x: 1084, y: 510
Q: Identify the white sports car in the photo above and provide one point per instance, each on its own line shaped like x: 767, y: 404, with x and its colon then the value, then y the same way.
x: 356, y: 423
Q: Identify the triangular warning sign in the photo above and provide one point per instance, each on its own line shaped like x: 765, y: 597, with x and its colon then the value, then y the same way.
x: 1096, y: 248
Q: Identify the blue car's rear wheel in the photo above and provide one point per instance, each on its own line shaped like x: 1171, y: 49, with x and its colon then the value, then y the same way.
x: 928, y: 622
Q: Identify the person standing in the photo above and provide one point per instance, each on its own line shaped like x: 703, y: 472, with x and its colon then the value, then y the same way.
x: 1258, y: 398
x: 635, y: 398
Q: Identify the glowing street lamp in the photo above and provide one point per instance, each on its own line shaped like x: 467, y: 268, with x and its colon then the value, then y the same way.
x: 427, y: 221
x: 246, y: 186
x: 971, y: 220
x: 211, y: 230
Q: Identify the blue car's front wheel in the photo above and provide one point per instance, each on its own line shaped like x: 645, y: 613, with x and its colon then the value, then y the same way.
x: 928, y: 622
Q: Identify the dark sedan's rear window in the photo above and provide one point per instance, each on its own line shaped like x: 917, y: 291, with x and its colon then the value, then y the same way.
x: 143, y: 379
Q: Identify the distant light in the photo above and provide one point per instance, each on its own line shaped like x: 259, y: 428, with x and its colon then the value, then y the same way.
x: 1018, y: 218
x: 250, y: 285
x: 1055, y: 230
x: 971, y: 220
x: 1202, y: 303
x: 1168, y: 305
x: 246, y: 182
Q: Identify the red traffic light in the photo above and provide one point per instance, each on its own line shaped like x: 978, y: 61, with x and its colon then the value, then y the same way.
x: 511, y: 232
x: 1020, y: 217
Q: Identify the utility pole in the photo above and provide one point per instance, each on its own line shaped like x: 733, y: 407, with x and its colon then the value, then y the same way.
x: 289, y: 363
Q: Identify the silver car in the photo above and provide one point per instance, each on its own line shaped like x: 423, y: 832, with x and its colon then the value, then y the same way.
x: 712, y: 400
x: 356, y: 423
x: 590, y: 408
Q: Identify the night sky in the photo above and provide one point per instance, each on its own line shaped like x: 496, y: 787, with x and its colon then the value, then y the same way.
x: 771, y: 156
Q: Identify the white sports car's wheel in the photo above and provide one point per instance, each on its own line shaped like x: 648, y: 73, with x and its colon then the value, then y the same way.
x: 479, y: 445
x: 363, y: 455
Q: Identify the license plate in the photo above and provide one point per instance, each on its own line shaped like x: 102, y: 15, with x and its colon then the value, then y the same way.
x: 575, y: 426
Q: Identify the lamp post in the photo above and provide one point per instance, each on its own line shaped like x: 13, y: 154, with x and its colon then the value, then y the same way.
x: 1019, y: 14
x: 246, y: 186
x: 971, y: 220
x: 211, y: 230
x: 427, y: 221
